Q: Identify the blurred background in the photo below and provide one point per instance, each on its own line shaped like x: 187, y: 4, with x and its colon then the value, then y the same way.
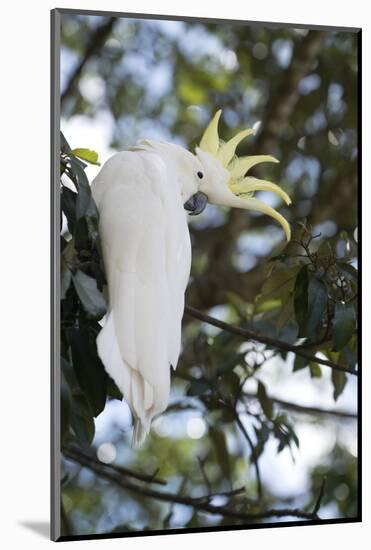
x: 291, y: 435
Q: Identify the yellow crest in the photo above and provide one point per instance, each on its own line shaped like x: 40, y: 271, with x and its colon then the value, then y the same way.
x: 239, y: 184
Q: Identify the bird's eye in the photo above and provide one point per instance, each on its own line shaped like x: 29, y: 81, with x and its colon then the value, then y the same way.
x: 200, y: 175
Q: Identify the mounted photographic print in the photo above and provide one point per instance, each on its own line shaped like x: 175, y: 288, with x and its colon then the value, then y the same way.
x: 205, y: 180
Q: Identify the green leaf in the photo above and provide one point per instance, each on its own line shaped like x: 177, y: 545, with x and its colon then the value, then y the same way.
x: 84, y: 202
x: 280, y: 283
x: 88, y: 368
x: 85, y: 205
x: 66, y: 277
x: 77, y: 173
x: 283, y: 437
x: 219, y: 442
x: 301, y: 299
x: 69, y: 254
x: 228, y: 362
x: 91, y: 297
x: 86, y: 154
x: 237, y: 303
x: 265, y: 402
x: 317, y: 304
x: 69, y: 375
x: 285, y: 316
x: 92, y: 221
x: 198, y: 387
x: 348, y: 271
x: 300, y: 363
x: 230, y: 385
x: 82, y: 240
x: 325, y: 251
x: 280, y: 257
x: 112, y: 390
x: 263, y: 305
x: 68, y: 205
x: 76, y: 411
x: 82, y: 420
x: 348, y: 356
x: 262, y: 436
x: 315, y: 370
x: 64, y: 144
x: 86, y: 232
x: 284, y: 432
x: 339, y: 380
x: 343, y: 326
x: 66, y: 403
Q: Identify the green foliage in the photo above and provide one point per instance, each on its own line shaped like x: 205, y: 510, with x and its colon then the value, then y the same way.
x: 85, y: 384
x: 284, y: 433
x: 322, y: 292
x: 317, y: 301
x: 339, y: 470
x: 90, y: 296
x: 344, y: 324
x: 301, y: 299
x: 86, y: 154
x: 75, y: 409
x: 339, y: 381
x: 266, y: 403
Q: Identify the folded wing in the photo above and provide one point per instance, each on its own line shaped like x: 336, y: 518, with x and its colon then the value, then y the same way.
x: 146, y: 251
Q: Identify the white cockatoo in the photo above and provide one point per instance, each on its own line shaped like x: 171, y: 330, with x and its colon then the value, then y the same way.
x: 143, y: 195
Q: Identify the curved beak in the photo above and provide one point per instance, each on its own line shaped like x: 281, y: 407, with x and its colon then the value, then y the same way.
x: 196, y: 203
x: 224, y: 196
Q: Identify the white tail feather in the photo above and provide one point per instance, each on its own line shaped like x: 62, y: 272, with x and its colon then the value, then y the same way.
x: 136, y: 391
x: 140, y: 432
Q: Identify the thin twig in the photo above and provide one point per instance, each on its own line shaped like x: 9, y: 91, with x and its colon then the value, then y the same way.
x: 253, y: 455
x: 228, y: 494
x: 304, y: 409
x: 319, y: 498
x: 75, y: 453
x: 106, y: 471
x: 204, y: 475
x: 250, y: 335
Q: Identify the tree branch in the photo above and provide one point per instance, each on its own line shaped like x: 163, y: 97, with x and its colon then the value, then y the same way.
x: 204, y: 475
x: 305, y: 410
x: 302, y: 409
x: 250, y: 335
x: 319, y: 498
x: 109, y: 473
x: 74, y: 453
x: 96, y: 41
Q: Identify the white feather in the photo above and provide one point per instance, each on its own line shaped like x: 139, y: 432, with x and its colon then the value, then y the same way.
x: 147, y: 256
